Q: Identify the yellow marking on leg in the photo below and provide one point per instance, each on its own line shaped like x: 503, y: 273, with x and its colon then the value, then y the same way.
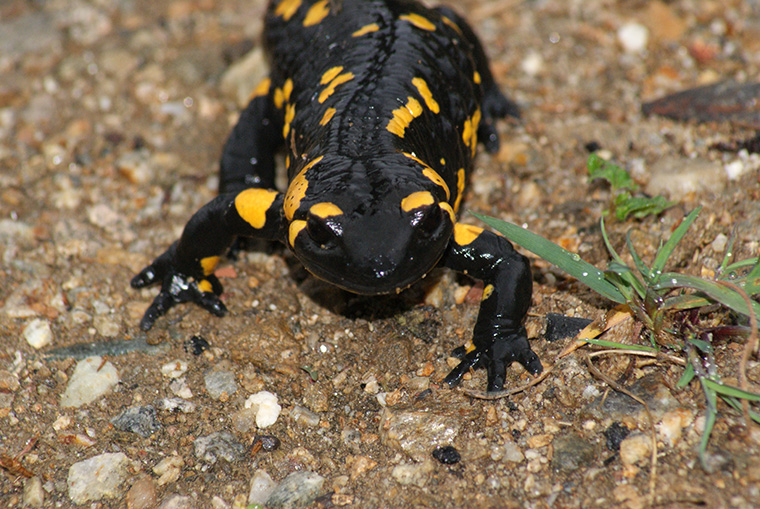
x: 424, y: 91
x: 453, y: 25
x: 261, y: 89
x: 205, y: 286
x: 325, y: 209
x: 287, y: 89
x: 287, y: 8
x: 279, y: 98
x: 208, y: 264
x: 297, y: 190
x: 252, y: 206
x: 329, y: 112
x: 476, y: 78
x: 366, y: 29
x: 430, y: 173
x: 460, y: 188
x: 447, y: 208
x: 294, y: 229
x: 467, y: 132
x: 330, y: 88
x: 329, y: 74
x: 464, y: 234
x: 403, y: 116
x: 417, y: 200
x: 487, y: 291
x: 469, y: 347
x: 316, y: 13
x: 290, y: 114
x: 419, y: 21
x: 475, y: 124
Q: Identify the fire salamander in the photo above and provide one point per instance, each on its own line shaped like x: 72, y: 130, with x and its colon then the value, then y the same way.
x: 379, y: 106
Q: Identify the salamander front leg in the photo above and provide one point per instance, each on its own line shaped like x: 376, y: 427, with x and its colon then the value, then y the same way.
x: 499, y: 337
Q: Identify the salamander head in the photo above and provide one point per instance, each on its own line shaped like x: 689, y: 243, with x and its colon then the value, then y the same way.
x: 373, y: 250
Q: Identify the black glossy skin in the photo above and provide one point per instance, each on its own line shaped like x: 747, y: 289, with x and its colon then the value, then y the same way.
x: 370, y: 233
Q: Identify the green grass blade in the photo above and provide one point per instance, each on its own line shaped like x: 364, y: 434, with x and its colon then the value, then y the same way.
x: 624, y: 279
x: 712, y: 413
x: 608, y: 244
x: 562, y: 258
x: 730, y: 390
x: 686, y: 377
x: 619, y: 346
x: 685, y: 301
x: 715, y: 291
x: 667, y: 249
x: 640, y: 265
x: 736, y: 404
x: 750, y: 262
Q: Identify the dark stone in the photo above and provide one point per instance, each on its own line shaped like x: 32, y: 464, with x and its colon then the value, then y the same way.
x: 448, y: 455
x: 141, y: 420
x: 561, y: 326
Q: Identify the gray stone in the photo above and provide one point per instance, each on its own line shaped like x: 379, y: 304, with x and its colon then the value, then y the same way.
x: 571, y: 451
x: 220, y: 382
x: 141, y: 420
x: 416, y: 433
x: 218, y: 445
x: 298, y: 489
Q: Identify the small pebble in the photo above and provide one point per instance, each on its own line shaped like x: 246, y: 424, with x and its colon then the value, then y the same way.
x: 180, y: 388
x: 719, y: 244
x: 533, y: 64
x: 298, y: 489
x: 169, y: 469
x: 416, y: 474
x: 8, y: 381
x: 34, y: 494
x: 267, y: 443
x: 512, y: 453
x: 140, y: 420
x: 636, y: 448
x: 178, y: 502
x: 262, y: 486
x: 182, y: 405
x: 98, y: 477
x: 196, y: 345
x: 633, y: 37
x: 218, y: 445
x: 304, y: 417
x: 142, y: 494
x: 92, y: 378
x: 38, y: 333
x: 220, y: 383
x: 615, y: 434
x: 266, y: 407
x: 448, y: 455
x: 174, y: 369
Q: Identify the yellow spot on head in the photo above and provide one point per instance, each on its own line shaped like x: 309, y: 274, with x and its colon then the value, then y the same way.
x: 460, y: 188
x: 366, y: 29
x: 453, y: 25
x: 487, y: 291
x: 447, y: 208
x: 420, y: 22
x: 424, y: 91
x: 297, y: 190
x: 205, y: 286
x: 417, y: 200
x: 279, y: 98
x: 287, y: 89
x: 403, y: 116
x: 316, y: 13
x: 337, y: 80
x: 208, y: 264
x: 294, y: 229
x: 476, y: 78
x: 325, y: 210
x: 464, y: 234
x: 287, y: 8
x: 252, y: 205
x: 261, y: 89
x: 329, y: 112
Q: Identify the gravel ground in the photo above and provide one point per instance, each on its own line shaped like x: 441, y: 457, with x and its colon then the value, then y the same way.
x: 112, y: 117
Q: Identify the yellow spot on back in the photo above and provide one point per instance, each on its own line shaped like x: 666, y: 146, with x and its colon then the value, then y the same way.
x: 279, y: 98
x: 417, y: 200
x: 297, y: 190
x: 451, y: 24
x: 287, y: 8
x: 261, y: 89
x: 287, y: 89
x: 329, y: 112
x: 487, y: 291
x: 476, y: 78
x: 208, y: 264
x: 418, y: 21
x: 464, y: 234
x: 366, y: 29
x: 294, y: 229
x: 252, y: 205
x: 329, y: 74
x: 316, y: 13
x: 205, y: 286
x: 337, y: 80
x: 403, y: 116
x: 430, y: 173
x: 290, y: 114
x: 475, y: 124
x: 325, y: 210
x: 460, y: 188
x: 443, y: 162
x: 424, y: 91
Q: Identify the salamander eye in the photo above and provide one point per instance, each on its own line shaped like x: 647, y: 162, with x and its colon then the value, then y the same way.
x: 322, y: 231
x: 428, y: 219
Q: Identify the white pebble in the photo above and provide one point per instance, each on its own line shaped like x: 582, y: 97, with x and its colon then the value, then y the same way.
x: 266, y: 407
x: 636, y: 448
x: 262, y: 485
x: 91, y: 379
x: 533, y: 64
x: 719, y: 244
x: 174, y: 369
x: 633, y: 37
x: 98, y: 477
x: 37, y: 333
x: 735, y: 169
